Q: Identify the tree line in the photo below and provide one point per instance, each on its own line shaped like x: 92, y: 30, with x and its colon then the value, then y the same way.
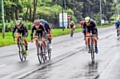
x: 50, y: 9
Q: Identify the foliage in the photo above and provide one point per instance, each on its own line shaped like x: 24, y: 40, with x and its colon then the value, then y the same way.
x: 50, y: 9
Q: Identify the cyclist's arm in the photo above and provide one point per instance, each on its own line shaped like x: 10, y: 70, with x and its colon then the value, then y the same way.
x: 50, y: 30
x: 116, y: 24
x: 32, y: 31
x: 74, y: 26
x: 95, y: 28
x: 13, y: 31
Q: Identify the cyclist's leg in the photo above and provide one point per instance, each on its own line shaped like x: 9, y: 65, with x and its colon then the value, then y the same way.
x: 88, y: 41
x: 26, y: 45
x: 44, y: 44
x: 84, y: 32
x: 95, y: 41
x: 49, y: 39
x: 25, y: 41
x: 36, y: 40
x: 17, y: 39
x: 70, y: 30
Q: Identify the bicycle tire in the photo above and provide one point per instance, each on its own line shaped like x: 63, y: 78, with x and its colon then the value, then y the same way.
x: 39, y: 54
x: 49, y: 50
x: 118, y: 34
x: 49, y: 54
x: 23, y: 51
x: 20, y: 52
x: 92, y: 50
x: 24, y: 55
x: 42, y: 54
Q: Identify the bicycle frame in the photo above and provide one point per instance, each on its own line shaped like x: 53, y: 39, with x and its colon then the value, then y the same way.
x: 92, y: 50
x: 40, y: 50
x: 22, y: 50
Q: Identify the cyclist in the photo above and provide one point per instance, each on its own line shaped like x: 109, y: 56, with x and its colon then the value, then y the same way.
x: 48, y: 30
x: 90, y: 26
x: 39, y: 30
x: 117, y: 25
x: 20, y: 28
x: 83, y: 30
x: 72, y: 26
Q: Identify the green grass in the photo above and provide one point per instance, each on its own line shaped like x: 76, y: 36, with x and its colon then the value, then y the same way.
x: 8, y: 40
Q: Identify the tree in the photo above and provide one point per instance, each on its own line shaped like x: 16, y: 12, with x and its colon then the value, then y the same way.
x: 34, y: 10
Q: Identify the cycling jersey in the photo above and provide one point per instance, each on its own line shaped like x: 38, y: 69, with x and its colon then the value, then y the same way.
x: 91, y: 27
x: 117, y: 24
x: 71, y: 25
x: 22, y: 30
x: 47, y: 27
x: 40, y: 30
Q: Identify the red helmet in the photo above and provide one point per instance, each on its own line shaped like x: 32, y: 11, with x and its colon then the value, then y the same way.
x: 81, y: 22
x: 36, y: 22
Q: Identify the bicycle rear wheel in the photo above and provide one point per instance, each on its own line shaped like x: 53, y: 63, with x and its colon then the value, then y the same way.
x: 49, y: 54
x: 48, y: 50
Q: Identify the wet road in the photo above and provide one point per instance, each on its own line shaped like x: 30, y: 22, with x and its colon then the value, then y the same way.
x: 70, y: 59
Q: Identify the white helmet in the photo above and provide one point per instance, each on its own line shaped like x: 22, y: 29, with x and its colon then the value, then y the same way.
x: 87, y: 19
x: 18, y: 22
x: 72, y: 22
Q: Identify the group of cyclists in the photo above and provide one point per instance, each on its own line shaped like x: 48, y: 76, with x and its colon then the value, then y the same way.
x: 40, y: 27
x: 88, y: 26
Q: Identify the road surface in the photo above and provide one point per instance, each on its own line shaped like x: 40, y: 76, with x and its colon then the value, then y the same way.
x: 70, y: 59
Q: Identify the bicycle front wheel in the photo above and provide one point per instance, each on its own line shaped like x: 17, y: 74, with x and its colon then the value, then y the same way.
x: 92, y: 50
x: 39, y: 54
x: 20, y: 52
x: 44, y: 58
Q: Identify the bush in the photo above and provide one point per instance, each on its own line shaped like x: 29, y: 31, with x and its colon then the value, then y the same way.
x: 0, y: 27
x: 28, y: 24
x: 9, y: 26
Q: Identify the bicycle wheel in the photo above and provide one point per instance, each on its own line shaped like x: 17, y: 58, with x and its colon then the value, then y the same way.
x: 48, y: 50
x: 23, y: 51
x: 20, y: 52
x: 92, y: 50
x: 39, y: 54
x: 44, y: 58
x: 49, y: 54
x: 118, y: 34
x: 24, y: 54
